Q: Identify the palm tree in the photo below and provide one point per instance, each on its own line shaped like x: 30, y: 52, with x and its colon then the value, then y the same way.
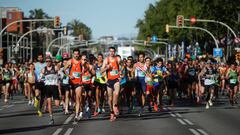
x: 39, y: 37
x: 79, y: 28
x: 40, y: 14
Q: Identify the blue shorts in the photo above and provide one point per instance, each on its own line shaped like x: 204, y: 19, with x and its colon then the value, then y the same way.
x: 141, y: 85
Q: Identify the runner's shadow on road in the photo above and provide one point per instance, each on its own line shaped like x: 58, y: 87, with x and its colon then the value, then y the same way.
x: 26, y: 129
x: 131, y: 117
x: 16, y: 115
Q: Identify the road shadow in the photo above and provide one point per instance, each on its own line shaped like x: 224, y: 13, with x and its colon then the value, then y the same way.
x: 26, y: 129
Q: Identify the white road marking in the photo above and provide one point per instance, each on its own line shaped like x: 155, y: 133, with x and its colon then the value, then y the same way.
x: 69, y: 119
x: 57, y: 131
x: 202, y: 131
x: 194, y: 131
x: 189, y: 122
x: 19, y: 102
x: 181, y: 121
x: 9, y: 106
x: 74, y: 123
x: 179, y: 115
x: 69, y: 131
x: 173, y: 115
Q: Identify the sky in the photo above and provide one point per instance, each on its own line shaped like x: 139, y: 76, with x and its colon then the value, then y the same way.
x: 104, y: 17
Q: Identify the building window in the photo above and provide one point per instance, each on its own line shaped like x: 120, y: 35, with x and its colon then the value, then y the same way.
x: 10, y: 16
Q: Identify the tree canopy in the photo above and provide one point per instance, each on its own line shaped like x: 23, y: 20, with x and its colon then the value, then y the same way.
x: 165, y: 12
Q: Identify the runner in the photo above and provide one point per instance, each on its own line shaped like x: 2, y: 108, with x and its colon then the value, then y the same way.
x: 30, y: 79
x: 100, y: 85
x: 64, y: 82
x: 87, y: 74
x: 50, y: 73
x: 140, y: 69
x: 111, y: 65
x: 173, y: 84
x: 232, y: 77
x: 130, y: 86
x: 75, y: 75
x: 209, y: 83
x: 149, y: 83
x: 160, y: 73
x: 191, y: 73
x: 7, y: 76
x: 39, y: 85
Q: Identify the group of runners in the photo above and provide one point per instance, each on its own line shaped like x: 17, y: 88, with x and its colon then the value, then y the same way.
x: 88, y: 84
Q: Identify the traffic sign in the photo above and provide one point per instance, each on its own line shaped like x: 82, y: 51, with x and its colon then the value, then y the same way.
x: 154, y: 38
x: 217, y: 52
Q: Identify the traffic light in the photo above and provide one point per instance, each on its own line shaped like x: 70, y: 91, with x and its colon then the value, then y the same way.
x: 57, y: 22
x: 237, y: 56
x: 180, y: 21
x: 65, y: 30
x: 167, y: 28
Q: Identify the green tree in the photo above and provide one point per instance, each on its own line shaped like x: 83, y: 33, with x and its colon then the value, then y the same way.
x: 79, y: 28
x: 165, y: 12
x: 40, y: 14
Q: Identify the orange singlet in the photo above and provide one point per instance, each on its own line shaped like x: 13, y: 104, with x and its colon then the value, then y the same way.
x: 86, y: 76
x: 76, y: 72
x: 113, y: 73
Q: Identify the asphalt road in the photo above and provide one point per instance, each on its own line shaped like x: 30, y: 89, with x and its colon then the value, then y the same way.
x: 18, y: 118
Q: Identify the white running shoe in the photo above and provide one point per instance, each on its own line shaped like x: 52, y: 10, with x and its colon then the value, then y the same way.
x: 210, y: 102
x: 207, y: 105
x: 29, y: 102
x: 32, y: 102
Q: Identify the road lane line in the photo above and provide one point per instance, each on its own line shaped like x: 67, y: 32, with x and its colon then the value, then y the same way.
x: 57, y: 131
x: 69, y: 131
x: 179, y: 115
x: 173, y: 115
x: 189, y: 122
x: 194, y: 131
x: 19, y: 102
x: 202, y: 131
x: 9, y: 106
x: 69, y: 119
x: 181, y: 121
x: 74, y: 123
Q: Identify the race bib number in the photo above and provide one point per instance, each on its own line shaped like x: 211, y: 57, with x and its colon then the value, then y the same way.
x: 209, y: 82
x: 30, y: 75
x: 85, y: 78
x: 65, y: 81
x: 148, y: 79
x: 76, y: 74
x: 233, y: 81
x: 114, y: 72
x: 98, y: 74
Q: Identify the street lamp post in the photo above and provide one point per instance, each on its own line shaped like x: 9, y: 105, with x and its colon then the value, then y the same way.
x: 35, y: 30
x: 197, y: 28
x: 30, y: 20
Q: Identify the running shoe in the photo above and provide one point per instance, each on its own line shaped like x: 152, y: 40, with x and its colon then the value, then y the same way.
x: 51, y: 122
x: 39, y: 113
x: 210, y: 102
x: 112, y: 117
x: 88, y: 111
x: 207, y: 105
x: 155, y: 107
x: 5, y: 100
x: 116, y: 111
x: 29, y: 102
x: 36, y: 101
